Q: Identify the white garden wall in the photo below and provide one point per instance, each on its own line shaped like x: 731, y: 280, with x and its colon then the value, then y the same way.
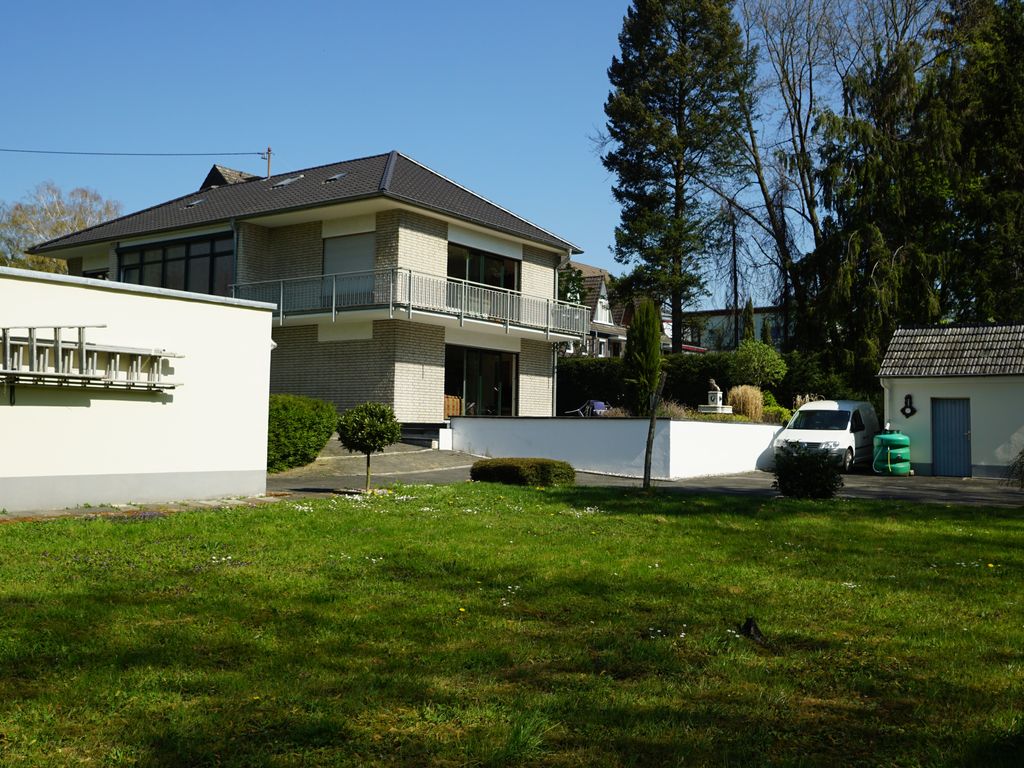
x: 64, y: 446
x: 616, y: 446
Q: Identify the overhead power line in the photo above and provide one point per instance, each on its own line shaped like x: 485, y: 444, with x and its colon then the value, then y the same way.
x: 131, y: 154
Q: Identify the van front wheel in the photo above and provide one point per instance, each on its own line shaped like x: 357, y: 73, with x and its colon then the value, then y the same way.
x: 848, y: 460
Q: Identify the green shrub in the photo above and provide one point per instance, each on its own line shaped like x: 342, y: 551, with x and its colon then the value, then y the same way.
x: 298, y: 428
x: 757, y: 364
x: 536, y: 472
x: 746, y: 401
x: 369, y: 428
x: 776, y: 414
x: 806, y: 474
x: 768, y: 399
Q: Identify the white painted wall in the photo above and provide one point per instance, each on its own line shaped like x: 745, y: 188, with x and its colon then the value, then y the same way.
x: 997, y: 416
x: 616, y: 446
x: 69, y: 446
x: 701, y: 448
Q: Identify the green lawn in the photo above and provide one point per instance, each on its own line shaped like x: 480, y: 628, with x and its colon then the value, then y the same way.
x: 488, y: 625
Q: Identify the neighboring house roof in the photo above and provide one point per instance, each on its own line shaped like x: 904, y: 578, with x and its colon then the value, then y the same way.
x: 955, y: 350
x: 220, y: 176
x: 392, y: 175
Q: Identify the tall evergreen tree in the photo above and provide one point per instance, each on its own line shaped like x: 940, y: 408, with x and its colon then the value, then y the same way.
x: 981, y: 80
x: 748, y: 320
x: 673, y: 122
x: 642, y: 360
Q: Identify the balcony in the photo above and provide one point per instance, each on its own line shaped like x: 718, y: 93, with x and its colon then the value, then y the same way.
x: 405, y: 292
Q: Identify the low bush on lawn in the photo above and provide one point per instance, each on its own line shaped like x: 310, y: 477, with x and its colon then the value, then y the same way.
x: 805, y: 474
x: 536, y: 472
x: 298, y: 429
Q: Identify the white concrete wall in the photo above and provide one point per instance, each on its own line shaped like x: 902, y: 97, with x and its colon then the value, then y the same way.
x: 701, y: 448
x: 67, y: 446
x: 616, y: 446
x: 997, y: 417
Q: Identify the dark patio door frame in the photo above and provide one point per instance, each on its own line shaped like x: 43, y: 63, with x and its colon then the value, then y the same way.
x: 489, y: 380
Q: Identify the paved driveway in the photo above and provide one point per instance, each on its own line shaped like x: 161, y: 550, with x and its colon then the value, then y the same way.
x: 408, y: 464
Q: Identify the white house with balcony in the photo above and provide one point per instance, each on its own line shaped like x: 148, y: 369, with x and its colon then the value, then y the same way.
x: 392, y: 283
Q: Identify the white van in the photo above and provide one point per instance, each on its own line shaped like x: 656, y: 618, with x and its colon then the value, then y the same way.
x: 843, y: 428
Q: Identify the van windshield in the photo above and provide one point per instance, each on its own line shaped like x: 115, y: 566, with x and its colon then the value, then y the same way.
x: 836, y: 420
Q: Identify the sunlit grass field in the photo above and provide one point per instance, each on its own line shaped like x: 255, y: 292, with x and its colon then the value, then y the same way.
x: 489, y: 625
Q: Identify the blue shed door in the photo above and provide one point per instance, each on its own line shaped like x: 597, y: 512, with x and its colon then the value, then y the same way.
x: 951, y: 437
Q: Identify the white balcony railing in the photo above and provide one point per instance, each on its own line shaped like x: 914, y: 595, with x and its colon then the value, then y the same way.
x: 403, y: 290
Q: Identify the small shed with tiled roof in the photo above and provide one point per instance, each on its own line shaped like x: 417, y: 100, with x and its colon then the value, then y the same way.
x: 958, y: 392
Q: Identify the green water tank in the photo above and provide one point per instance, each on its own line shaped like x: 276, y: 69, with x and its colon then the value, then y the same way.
x: 891, y: 453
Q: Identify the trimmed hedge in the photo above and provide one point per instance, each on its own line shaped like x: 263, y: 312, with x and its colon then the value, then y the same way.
x: 298, y: 428
x: 805, y: 474
x: 537, y: 472
x: 601, y: 378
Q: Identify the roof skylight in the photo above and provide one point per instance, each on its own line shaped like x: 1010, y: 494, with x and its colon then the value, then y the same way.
x: 336, y: 177
x: 194, y: 203
x: 286, y: 182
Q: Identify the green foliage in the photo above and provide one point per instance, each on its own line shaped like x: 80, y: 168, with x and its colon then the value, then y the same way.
x: 523, y: 471
x: 368, y: 428
x: 570, y: 284
x: 673, y: 126
x: 298, y: 428
x: 766, y: 330
x: 748, y: 321
x: 590, y: 378
x: 687, y: 380
x: 642, y: 361
x: 806, y: 474
x: 757, y: 364
x: 776, y: 414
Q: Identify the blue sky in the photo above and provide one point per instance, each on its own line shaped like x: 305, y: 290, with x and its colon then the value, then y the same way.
x: 501, y: 97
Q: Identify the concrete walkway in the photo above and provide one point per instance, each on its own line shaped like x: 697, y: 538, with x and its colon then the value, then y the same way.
x: 336, y: 469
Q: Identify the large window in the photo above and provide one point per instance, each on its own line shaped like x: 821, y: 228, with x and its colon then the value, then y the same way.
x: 480, y: 382
x: 480, y: 267
x: 201, y: 265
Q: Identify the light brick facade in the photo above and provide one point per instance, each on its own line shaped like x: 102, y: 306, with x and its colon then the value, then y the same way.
x: 279, y: 253
x: 535, y: 379
x: 538, y: 272
x: 403, y: 364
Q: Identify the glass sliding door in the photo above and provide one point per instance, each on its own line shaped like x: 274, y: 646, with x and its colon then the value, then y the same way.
x: 479, y: 382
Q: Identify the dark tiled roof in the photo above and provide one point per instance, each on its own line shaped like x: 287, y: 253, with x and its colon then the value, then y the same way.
x: 955, y: 350
x: 391, y: 175
x: 219, y: 175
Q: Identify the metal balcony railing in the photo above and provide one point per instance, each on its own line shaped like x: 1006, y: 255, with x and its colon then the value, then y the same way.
x: 404, y: 290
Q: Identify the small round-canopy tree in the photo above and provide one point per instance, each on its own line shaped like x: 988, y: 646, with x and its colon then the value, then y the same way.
x: 642, y: 361
x: 369, y: 428
x: 758, y: 364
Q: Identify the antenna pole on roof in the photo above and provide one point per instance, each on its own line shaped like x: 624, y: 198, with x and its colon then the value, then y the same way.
x: 266, y: 156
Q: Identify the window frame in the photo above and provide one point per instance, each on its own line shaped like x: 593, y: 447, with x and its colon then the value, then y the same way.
x: 132, y: 261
